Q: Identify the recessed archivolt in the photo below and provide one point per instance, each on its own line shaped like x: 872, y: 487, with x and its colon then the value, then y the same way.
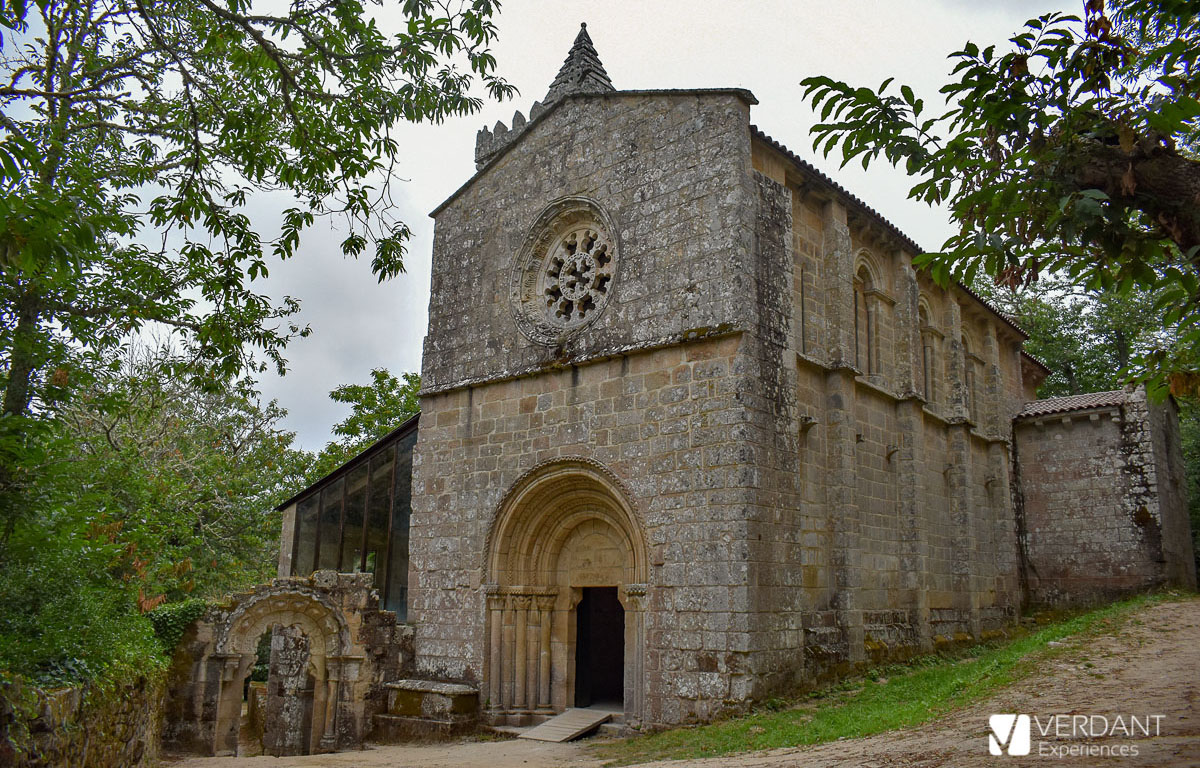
x: 546, y: 507
x: 924, y: 313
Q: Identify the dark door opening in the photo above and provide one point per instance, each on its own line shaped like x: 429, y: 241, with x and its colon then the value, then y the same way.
x: 599, y: 648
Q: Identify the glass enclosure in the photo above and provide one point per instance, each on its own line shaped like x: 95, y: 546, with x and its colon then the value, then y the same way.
x: 356, y: 518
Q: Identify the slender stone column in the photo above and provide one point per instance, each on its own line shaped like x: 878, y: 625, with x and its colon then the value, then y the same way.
x: 962, y: 505
x: 845, y: 523
x: 545, y: 604
x: 838, y: 284
x: 328, y: 738
x: 506, y: 660
x: 909, y: 459
x: 522, y: 632
x: 229, y: 704
x: 633, y: 599
x: 495, y: 602
x: 993, y: 394
x: 908, y: 373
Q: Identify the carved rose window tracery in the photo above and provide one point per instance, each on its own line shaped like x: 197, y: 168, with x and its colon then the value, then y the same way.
x: 564, y: 274
x: 577, y: 276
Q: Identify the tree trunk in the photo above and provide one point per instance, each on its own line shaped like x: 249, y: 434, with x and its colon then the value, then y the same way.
x: 18, y: 390
x: 1152, y: 177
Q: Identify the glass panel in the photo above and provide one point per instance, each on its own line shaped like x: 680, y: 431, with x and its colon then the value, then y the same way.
x: 379, y: 507
x: 306, y: 535
x: 356, y: 502
x: 331, y: 523
x: 396, y: 594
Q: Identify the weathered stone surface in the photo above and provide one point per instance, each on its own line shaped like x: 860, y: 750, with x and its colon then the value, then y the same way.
x: 751, y: 388
x: 81, y: 727
x: 1103, y: 507
x: 332, y: 650
x: 674, y: 371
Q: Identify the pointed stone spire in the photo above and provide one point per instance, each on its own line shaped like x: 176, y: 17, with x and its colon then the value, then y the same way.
x: 582, y: 72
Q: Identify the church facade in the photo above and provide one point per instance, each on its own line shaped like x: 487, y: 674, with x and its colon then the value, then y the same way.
x: 693, y: 431
x: 668, y: 357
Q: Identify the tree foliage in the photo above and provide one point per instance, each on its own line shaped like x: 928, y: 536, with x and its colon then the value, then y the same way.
x: 1071, y: 152
x: 134, y: 134
x: 187, y: 477
x: 1087, y: 339
x: 375, y: 409
x: 150, y: 490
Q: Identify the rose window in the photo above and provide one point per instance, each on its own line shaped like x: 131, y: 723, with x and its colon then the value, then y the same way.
x: 566, y: 272
x: 577, y: 276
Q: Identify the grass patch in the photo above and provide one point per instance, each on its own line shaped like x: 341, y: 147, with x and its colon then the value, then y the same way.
x: 885, y: 698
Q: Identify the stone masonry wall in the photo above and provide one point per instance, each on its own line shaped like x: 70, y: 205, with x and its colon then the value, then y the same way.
x: 1099, y: 506
x: 81, y: 727
x: 672, y: 174
x: 801, y: 514
x: 886, y: 517
x: 669, y: 424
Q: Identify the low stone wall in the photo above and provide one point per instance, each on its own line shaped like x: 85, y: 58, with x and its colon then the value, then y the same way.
x: 80, y: 727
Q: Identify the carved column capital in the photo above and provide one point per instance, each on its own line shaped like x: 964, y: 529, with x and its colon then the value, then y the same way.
x: 633, y: 596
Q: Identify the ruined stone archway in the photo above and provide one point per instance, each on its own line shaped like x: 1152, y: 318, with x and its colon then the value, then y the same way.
x: 564, y: 527
x: 343, y: 649
x: 304, y: 728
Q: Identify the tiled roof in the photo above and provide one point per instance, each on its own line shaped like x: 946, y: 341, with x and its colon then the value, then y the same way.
x: 1084, y: 402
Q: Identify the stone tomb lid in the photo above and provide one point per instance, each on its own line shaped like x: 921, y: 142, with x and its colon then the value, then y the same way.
x: 432, y: 686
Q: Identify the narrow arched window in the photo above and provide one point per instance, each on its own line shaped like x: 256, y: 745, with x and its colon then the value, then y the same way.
x: 969, y: 381
x: 928, y: 382
x: 864, y: 331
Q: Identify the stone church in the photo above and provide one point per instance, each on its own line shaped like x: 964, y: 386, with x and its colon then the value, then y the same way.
x: 693, y: 432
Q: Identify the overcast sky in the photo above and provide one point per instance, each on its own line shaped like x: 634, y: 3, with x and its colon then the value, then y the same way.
x: 764, y: 46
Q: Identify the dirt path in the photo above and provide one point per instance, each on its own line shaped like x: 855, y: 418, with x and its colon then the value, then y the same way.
x: 1152, y: 667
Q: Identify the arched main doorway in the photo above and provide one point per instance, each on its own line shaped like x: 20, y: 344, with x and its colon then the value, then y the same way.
x: 567, y: 569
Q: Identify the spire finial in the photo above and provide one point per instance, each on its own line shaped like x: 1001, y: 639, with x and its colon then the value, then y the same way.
x: 582, y: 71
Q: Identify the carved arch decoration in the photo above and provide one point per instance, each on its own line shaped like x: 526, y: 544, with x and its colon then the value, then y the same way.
x: 866, y: 310
x: 538, y: 513
x: 564, y: 526
x: 319, y: 668
x: 971, y: 374
x: 315, y: 614
x: 866, y: 266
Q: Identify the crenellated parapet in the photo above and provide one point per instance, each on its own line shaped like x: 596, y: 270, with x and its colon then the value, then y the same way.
x: 489, y: 143
x: 581, y: 72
